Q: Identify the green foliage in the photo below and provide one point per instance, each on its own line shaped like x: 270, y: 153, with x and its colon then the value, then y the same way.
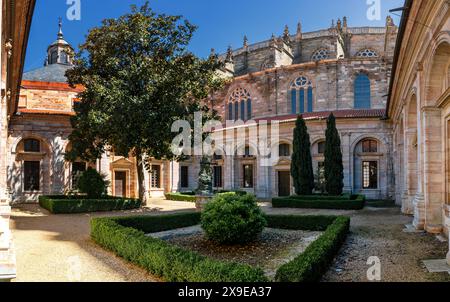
x: 92, y: 183
x: 180, y: 197
x: 237, y: 192
x: 233, y: 219
x: 139, y: 78
x: 301, y: 165
x: 318, y: 256
x: 205, y: 176
x: 162, y: 259
x: 81, y: 204
x: 357, y: 202
x: 334, y: 168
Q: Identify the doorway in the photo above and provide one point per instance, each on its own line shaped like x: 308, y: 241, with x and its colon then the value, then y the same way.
x: 120, y: 183
x: 284, y: 183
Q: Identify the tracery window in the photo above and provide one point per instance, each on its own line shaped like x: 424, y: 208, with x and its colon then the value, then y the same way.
x: 242, y: 108
x: 367, y: 53
x: 301, y: 95
x: 321, y: 54
x: 362, y: 92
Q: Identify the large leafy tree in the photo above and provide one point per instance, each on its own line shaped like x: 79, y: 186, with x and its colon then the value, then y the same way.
x: 139, y: 78
x: 334, y: 169
x: 301, y: 164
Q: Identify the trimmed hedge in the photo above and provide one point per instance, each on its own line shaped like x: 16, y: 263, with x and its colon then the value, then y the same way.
x: 162, y: 259
x: 333, y: 204
x: 81, y: 204
x: 125, y: 236
x: 310, y: 265
x: 180, y: 197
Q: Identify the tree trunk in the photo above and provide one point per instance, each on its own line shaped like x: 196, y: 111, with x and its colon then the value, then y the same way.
x: 142, y: 186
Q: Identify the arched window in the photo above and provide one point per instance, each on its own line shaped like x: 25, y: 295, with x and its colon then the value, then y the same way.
x: 366, y: 53
x: 32, y: 145
x: 299, y: 98
x: 64, y: 57
x: 369, y: 146
x: 284, y: 150
x: 362, y: 92
x: 54, y: 57
x: 321, y: 54
x: 321, y: 148
x: 242, y: 108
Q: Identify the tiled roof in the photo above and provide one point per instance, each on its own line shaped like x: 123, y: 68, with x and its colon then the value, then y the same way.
x: 38, y: 85
x: 45, y: 112
x: 339, y: 114
x: 49, y: 73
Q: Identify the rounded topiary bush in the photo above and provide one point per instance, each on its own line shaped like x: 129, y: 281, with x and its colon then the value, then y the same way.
x: 233, y: 219
x: 92, y: 183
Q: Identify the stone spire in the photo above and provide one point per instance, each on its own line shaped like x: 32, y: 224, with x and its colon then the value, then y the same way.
x: 60, y: 51
x: 245, y: 42
x: 339, y: 24
x: 345, y: 23
x: 299, y: 30
x: 286, y: 35
x: 332, y: 24
x: 229, y: 56
x: 389, y: 21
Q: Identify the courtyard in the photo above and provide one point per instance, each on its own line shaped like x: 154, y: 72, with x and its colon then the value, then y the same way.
x: 58, y: 247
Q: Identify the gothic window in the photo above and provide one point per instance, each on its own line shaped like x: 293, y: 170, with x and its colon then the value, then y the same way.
x: 301, y: 96
x: 367, y: 53
x: 32, y: 172
x: 242, y: 108
x: 321, y: 54
x: 284, y: 150
x: 32, y: 145
x: 362, y: 92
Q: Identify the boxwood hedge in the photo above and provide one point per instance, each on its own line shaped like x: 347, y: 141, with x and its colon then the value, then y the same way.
x: 163, y: 259
x: 354, y: 202
x: 125, y: 236
x: 180, y: 197
x: 80, y: 204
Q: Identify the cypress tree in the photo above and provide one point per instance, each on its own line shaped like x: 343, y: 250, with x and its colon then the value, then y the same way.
x: 334, y: 169
x: 301, y: 164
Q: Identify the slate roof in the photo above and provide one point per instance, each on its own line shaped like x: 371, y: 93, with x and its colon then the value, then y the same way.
x: 49, y: 73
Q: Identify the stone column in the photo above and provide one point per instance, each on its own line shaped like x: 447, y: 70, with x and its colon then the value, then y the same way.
x: 433, y: 178
x: 347, y: 161
x: 57, y: 165
x: 262, y: 178
x: 447, y: 224
x: 104, y: 168
x: 410, y: 173
x: 228, y: 173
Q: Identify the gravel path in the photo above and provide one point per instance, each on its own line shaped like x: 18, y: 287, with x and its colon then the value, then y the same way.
x: 379, y: 233
x: 58, y: 247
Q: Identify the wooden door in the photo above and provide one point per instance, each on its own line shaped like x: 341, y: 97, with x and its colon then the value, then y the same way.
x: 284, y: 183
x: 120, y: 183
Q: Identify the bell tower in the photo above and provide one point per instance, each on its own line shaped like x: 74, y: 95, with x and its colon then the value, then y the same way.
x: 60, y: 51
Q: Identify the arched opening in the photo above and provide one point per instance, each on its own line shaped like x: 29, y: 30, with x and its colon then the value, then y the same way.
x: 301, y: 96
x: 411, y: 156
x: 367, y: 167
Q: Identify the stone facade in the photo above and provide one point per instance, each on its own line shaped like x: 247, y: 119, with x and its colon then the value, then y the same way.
x: 419, y: 111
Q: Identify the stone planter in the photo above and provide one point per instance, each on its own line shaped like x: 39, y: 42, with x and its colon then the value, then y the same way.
x: 201, y: 201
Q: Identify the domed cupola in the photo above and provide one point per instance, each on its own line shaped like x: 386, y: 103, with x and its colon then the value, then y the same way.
x: 60, y: 51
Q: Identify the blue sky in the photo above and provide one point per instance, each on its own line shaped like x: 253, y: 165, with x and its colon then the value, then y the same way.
x: 221, y: 23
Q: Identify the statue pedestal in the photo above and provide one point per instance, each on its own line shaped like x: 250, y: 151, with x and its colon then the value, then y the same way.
x: 201, y: 201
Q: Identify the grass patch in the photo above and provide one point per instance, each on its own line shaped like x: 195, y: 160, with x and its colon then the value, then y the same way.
x: 345, y: 202
x: 125, y: 236
x: 81, y: 204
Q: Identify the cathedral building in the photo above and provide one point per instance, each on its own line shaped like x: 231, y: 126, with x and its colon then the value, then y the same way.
x: 341, y: 69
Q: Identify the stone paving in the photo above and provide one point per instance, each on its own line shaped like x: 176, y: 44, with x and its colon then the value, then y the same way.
x: 58, y: 247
